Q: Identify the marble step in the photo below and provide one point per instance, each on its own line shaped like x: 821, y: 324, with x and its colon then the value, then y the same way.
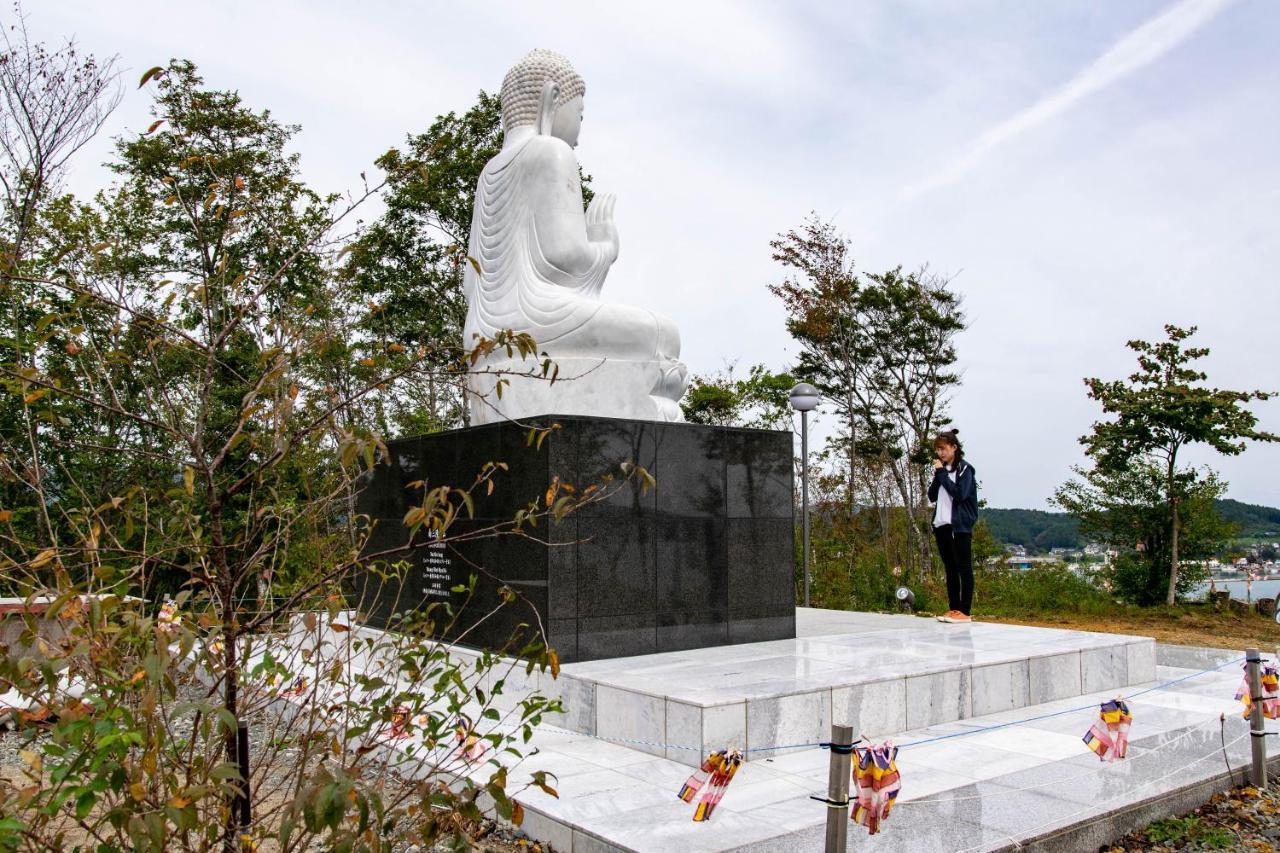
x: 879, y: 673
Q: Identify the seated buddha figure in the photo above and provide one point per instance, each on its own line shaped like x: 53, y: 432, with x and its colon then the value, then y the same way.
x: 539, y: 261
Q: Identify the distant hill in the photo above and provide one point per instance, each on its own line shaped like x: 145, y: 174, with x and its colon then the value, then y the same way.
x: 1037, y: 530
x: 1254, y: 520
x: 1033, y: 529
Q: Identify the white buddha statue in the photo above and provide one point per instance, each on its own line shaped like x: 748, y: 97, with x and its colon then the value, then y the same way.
x: 541, y: 264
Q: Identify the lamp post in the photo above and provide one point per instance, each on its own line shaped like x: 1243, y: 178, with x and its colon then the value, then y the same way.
x: 804, y: 399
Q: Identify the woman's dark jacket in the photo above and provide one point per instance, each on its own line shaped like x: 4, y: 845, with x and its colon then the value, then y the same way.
x: 963, y: 492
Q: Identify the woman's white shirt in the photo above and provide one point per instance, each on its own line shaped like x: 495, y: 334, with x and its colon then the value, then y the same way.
x: 942, y: 512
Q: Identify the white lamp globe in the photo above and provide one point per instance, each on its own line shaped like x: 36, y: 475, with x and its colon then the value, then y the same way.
x: 804, y: 397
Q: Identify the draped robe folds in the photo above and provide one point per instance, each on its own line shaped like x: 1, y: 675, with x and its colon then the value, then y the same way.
x: 539, y: 273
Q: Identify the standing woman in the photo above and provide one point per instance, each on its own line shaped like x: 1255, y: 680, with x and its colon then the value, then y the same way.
x: 954, y: 491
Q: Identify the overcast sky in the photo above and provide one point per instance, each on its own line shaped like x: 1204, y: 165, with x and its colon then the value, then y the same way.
x: 1088, y: 171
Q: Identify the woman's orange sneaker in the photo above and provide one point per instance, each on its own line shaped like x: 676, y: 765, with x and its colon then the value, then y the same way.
x: 961, y: 617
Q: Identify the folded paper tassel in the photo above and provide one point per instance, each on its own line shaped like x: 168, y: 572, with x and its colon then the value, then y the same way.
x: 877, y: 783
x: 1270, y: 693
x: 721, y: 776
x: 1109, y: 737
x: 715, y: 774
x: 694, y: 783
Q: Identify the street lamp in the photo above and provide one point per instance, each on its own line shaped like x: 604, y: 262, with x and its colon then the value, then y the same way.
x: 804, y: 399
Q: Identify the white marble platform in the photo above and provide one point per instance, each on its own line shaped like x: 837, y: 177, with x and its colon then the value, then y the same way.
x: 1030, y: 782
x: 879, y: 673
x: 1027, y: 783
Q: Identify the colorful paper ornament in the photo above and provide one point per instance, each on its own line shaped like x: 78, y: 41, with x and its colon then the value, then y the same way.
x: 1109, y: 737
x: 716, y: 772
x: 876, y: 784
x: 1270, y: 677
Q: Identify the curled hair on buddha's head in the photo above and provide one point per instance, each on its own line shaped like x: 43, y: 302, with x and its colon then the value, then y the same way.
x: 951, y: 438
x: 522, y: 87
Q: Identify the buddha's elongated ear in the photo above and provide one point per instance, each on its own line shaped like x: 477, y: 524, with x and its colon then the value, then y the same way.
x: 547, y: 109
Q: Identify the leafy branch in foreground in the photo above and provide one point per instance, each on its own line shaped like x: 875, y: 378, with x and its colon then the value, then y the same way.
x: 180, y: 426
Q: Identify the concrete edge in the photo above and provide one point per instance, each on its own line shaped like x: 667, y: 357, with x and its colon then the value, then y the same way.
x: 1194, y: 657
x: 1096, y: 832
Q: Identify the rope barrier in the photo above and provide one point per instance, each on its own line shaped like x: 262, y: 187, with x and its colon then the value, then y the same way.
x: 1104, y: 803
x: 1100, y: 768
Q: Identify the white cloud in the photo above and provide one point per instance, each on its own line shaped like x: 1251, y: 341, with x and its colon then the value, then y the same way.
x: 719, y: 126
x: 1142, y: 46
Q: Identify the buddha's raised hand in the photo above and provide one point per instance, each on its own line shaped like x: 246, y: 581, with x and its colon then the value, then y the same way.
x: 600, y: 227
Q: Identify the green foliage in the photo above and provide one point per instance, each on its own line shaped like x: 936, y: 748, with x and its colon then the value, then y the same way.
x: 407, y: 266
x: 1190, y: 830
x: 851, y: 569
x: 984, y: 546
x: 1127, y: 511
x: 1162, y: 407
x: 760, y: 401
x: 182, y: 414
x: 1159, y: 410
x: 881, y: 350
x: 1002, y: 591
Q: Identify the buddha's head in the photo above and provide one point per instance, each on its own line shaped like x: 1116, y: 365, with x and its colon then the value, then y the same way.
x: 522, y: 94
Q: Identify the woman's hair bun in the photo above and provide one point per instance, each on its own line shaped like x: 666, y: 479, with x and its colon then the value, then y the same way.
x: 955, y: 430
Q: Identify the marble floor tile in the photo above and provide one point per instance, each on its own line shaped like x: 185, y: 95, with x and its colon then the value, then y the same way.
x: 1050, y: 746
x: 791, y: 815
x: 1141, y: 661
x: 600, y: 753
x: 875, y: 708
x: 554, y: 833
x: 751, y: 796
x: 724, y: 726
x: 635, y: 718
x: 684, y: 732
x: 1103, y: 668
x: 1053, y: 677
x: 962, y: 759
x: 801, y: 718
x: 587, y: 796
x: 1000, y: 687
x: 669, y: 826
x: 939, y: 698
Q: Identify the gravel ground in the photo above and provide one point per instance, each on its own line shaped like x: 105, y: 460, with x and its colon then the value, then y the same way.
x: 1245, y: 819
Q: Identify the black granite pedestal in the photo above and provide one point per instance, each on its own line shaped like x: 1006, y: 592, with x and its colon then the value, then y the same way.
x: 704, y: 558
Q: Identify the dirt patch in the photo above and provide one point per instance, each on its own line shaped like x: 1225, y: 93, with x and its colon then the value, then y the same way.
x: 1192, y: 626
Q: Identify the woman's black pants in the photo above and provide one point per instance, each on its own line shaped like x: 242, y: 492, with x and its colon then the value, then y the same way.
x: 957, y: 556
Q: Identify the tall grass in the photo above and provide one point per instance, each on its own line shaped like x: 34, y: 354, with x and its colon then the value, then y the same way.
x: 1000, y: 591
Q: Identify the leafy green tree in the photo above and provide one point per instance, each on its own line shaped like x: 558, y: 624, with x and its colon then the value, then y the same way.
x: 1127, y: 510
x: 52, y: 102
x: 1161, y: 409
x: 407, y: 266
x: 186, y: 432
x: 761, y: 400
x: 881, y: 349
